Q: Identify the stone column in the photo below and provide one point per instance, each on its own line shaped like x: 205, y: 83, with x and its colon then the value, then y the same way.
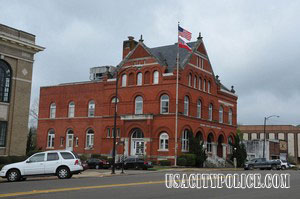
x: 214, y: 149
x: 126, y: 145
x: 224, y: 147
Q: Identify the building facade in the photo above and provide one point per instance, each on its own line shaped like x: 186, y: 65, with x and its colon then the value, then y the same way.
x: 287, y: 136
x: 17, y: 49
x: 80, y: 116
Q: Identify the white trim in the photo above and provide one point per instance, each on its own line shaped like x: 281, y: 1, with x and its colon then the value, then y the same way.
x: 163, y: 150
x: 209, y: 126
x: 112, y: 80
x: 225, y: 103
x: 230, y: 93
x: 200, y: 68
x: 167, y: 74
x: 12, y: 56
x: 201, y: 55
x: 138, y: 59
x: 137, y: 117
x: 21, y: 79
x: 140, y: 65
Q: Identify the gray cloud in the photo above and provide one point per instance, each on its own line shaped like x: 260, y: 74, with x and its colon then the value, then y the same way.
x: 253, y: 45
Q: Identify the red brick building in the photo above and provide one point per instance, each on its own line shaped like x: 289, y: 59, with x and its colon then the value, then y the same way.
x: 80, y: 116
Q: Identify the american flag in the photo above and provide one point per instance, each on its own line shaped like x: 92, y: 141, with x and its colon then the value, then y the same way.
x: 184, y: 33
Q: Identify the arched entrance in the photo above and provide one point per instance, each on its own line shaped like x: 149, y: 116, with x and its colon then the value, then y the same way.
x: 220, y: 147
x: 70, y: 140
x: 137, y: 142
x: 199, y: 136
x: 210, y: 139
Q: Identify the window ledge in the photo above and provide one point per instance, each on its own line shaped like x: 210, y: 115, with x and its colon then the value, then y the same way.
x: 163, y: 150
x: 89, y: 149
x: 49, y: 147
x: 184, y: 151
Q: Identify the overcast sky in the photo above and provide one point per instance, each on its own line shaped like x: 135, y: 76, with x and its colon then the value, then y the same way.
x: 253, y: 45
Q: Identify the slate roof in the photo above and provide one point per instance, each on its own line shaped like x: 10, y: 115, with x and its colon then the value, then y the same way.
x: 167, y: 55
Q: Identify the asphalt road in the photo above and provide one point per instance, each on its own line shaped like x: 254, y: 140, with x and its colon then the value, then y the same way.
x: 140, y: 185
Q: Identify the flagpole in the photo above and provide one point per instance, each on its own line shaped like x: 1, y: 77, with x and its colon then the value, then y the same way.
x: 176, y: 114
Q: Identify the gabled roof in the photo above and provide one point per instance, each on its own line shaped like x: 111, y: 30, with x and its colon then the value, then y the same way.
x: 168, y: 54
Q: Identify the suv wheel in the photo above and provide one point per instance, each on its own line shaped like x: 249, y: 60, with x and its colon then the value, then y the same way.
x: 13, y: 175
x: 63, y: 173
x: 283, y: 167
x: 97, y: 167
x: 273, y: 167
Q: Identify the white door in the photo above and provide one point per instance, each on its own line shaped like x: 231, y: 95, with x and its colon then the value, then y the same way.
x: 35, y: 165
x: 137, y: 147
x: 69, y: 143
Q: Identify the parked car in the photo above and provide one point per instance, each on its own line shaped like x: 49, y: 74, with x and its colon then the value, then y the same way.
x: 262, y: 163
x: 135, y: 163
x: 284, y: 164
x: 63, y: 164
x: 95, y: 163
x: 84, y: 165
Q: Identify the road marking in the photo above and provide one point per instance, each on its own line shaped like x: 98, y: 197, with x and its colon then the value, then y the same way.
x: 77, y: 188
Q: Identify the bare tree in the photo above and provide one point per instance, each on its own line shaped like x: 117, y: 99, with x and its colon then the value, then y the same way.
x: 34, y: 113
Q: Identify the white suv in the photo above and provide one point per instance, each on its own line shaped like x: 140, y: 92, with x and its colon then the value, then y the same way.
x: 63, y: 164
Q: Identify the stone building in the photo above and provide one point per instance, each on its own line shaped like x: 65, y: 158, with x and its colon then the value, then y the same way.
x: 288, y: 137
x: 17, y: 49
x: 80, y: 116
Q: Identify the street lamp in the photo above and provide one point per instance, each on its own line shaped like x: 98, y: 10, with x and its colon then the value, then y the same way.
x: 266, y: 118
x: 115, y: 126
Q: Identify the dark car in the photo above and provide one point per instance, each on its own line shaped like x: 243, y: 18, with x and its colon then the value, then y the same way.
x: 135, y: 163
x: 262, y: 163
x: 95, y: 163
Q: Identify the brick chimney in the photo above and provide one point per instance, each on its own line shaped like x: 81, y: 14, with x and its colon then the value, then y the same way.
x: 128, y: 45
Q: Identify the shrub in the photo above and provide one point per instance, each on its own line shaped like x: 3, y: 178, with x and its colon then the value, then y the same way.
x: 186, y: 160
x: 99, y: 156
x: 83, y: 157
x: 181, y: 161
x: 165, y: 163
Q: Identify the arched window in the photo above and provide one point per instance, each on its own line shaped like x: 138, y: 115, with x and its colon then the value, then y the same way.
x: 164, y: 104
x: 230, y: 116
x: 124, y: 80
x: 71, y: 112
x: 50, y: 139
x: 195, y: 82
x: 52, y: 110
x: 208, y: 86
x: 185, y: 141
x: 200, y: 83
x: 190, y: 80
x: 221, y: 111
x: 113, y: 100
x: 138, y: 105
x: 155, y: 77
x: 5, y: 79
x: 210, y: 139
x: 139, y: 79
x: 164, y: 141
x: 186, y: 105
x: 90, y: 139
x: 210, y: 112
x: 199, y: 105
x: 91, y: 110
x: 204, y: 85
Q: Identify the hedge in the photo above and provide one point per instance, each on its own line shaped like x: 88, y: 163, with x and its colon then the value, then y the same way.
x: 165, y: 162
x: 186, y: 160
